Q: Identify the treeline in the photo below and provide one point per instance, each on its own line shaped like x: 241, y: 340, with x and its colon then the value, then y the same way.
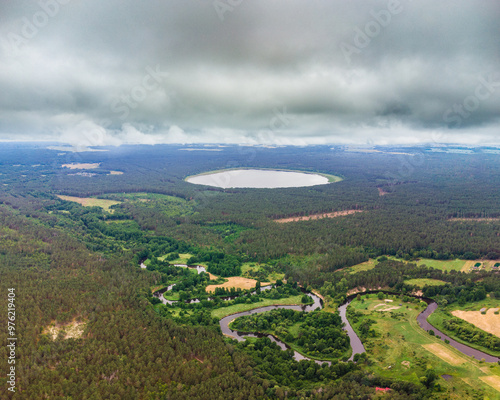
x: 125, y: 352
x: 412, y: 220
x: 469, y: 333
x: 393, y: 274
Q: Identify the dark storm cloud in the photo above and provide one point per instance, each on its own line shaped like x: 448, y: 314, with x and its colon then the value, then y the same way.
x: 250, y: 71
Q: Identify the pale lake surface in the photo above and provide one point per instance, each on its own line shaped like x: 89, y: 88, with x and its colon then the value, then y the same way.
x: 256, y: 178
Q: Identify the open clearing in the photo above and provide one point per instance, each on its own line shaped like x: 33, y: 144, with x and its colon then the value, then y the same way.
x: 492, y: 380
x: 236, y: 282
x: 115, y: 172
x: 72, y: 330
x: 81, y: 165
x: 364, y: 266
x: 421, y: 282
x: 488, y: 322
x: 91, y: 202
x: 318, y: 216
x: 443, y: 353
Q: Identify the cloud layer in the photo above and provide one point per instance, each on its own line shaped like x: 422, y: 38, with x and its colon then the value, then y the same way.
x: 240, y: 71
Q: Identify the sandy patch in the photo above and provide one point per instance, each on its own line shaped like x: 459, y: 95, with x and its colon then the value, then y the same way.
x: 405, y: 364
x: 72, y: 330
x: 382, y: 192
x: 355, y: 290
x: 443, y: 353
x: 388, y: 300
x: 489, y: 322
x: 81, y: 165
x: 360, y: 290
x: 115, y: 172
x: 390, y: 308
x: 318, y: 294
x: 385, y: 305
x: 493, y: 381
x: 318, y: 216
x: 236, y: 282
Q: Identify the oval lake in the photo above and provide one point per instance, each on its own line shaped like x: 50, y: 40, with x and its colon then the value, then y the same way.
x: 258, y: 178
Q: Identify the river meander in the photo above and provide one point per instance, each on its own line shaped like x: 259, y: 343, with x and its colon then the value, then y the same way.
x: 356, y: 344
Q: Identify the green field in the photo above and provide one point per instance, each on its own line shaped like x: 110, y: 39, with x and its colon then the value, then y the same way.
x: 398, y: 350
x: 424, y: 282
x: 365, y: 266
x: 225, y: 311
x: 181, y: 260
x: 443, y: 265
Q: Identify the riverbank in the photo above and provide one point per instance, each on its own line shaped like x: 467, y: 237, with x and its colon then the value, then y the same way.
x: 398, y: 346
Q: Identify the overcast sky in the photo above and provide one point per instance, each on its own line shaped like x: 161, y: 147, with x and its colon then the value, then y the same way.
x: 99, y: 72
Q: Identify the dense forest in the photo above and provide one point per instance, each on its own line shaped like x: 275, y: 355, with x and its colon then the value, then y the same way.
x: 73, y: 265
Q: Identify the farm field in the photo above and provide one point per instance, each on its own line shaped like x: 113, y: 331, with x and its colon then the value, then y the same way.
x: 489, y: 322
x: 236, y: 282
x: 401, y: 348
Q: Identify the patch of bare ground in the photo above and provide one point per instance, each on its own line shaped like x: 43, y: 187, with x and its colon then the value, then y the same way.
x: 382, y: 192
x: 317, y: 216
x: 390, y: 308
x: 360, y: 290
x: 73, y: 330
x: 236, y: 282
x: 489, y: 322
x: 115, y: 172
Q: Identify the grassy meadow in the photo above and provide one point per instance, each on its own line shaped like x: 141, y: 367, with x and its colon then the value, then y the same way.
x: 401, y: 348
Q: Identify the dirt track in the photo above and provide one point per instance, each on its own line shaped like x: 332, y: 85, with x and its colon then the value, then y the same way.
x: 318, y: 216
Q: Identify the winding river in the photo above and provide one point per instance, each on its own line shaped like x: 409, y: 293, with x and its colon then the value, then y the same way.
x: 468, y: 351
x: 356, y: 344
